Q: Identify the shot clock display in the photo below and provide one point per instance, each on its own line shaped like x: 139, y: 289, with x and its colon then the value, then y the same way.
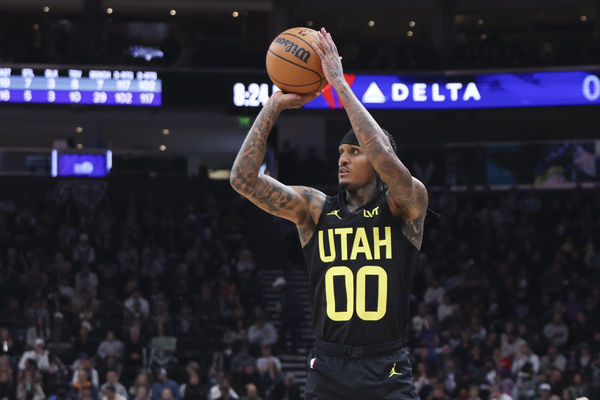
x: 80, y: 86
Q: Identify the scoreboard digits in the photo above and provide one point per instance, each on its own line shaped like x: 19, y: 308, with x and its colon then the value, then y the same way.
x: 80, y: 86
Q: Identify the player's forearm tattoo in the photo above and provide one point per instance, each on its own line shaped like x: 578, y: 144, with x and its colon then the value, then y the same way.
x: 413, y: 230
x: 244, y: 172
x: 376, y: 145
x: 269, y: 194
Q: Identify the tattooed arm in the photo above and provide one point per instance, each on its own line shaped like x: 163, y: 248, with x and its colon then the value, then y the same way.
x: 407, y: 196
x: 299, y: 204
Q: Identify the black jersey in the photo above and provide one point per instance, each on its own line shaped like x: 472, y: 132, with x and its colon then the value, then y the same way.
x: 360, y: 268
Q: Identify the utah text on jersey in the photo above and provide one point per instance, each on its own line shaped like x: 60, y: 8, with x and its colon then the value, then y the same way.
x: 357, y: 241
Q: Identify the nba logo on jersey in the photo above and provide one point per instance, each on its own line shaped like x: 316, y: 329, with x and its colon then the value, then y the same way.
x: 312, y: 363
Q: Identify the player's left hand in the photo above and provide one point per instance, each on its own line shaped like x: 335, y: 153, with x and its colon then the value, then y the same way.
x: 330, y: 59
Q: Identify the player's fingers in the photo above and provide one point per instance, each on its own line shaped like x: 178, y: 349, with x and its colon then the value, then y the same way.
x: 324, y: 41
x: 317, y: 50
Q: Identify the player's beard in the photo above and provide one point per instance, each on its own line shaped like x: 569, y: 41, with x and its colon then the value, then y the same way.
x: 343, y: 186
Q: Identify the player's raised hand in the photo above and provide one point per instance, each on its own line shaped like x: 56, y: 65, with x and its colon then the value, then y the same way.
x: 283, y: 101
x: 330, y: 59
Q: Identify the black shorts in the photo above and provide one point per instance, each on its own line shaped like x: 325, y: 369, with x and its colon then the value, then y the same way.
x: 371, y: 372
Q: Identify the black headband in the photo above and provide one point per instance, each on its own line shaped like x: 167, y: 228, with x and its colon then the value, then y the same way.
x: 350, y: 138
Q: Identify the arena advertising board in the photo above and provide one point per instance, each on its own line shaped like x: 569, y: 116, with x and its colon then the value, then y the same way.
x: 449, y: 91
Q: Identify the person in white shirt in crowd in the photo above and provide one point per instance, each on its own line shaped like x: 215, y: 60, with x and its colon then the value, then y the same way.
x: 262, y: 363
x: 434, y: 293
x: 510, y: 342
x: 223, y: 386
x: 446, y: 308
x: 110, y: 393
x: 262, y: 333
x: 419, y: 321
x: 39, y: 354
x: 496, y: 394
x: 136, y: 297
x: 112, y: 379
x: 526, y: 356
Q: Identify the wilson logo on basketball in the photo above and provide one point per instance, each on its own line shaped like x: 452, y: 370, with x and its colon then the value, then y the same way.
x: 290, y: 47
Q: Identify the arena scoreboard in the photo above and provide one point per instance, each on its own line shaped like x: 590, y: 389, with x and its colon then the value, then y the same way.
x: 91, y: 86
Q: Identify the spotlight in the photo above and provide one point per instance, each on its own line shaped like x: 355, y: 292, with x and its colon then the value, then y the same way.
x: 371, y: 23
x: 172, y: 12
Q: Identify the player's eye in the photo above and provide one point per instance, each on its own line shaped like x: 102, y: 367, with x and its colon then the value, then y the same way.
x: 354, y: 150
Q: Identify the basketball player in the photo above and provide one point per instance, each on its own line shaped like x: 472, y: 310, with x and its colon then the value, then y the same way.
x: 360, y: 246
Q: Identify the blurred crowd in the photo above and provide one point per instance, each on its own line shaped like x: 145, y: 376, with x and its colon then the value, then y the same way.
x: 147, y: 297
x: 223, y: 42
x: 139, y: 298
x: 506, y: 296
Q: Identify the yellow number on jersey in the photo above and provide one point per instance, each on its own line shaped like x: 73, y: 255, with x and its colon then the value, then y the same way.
x: 361, y: 286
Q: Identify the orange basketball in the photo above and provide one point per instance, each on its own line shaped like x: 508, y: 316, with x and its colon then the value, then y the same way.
x: 292, y: 63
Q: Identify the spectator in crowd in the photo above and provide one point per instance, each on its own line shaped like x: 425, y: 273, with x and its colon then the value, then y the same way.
x: 163, y: 383
x: 82, y: 384
x: 556, y: 331
x: 83, y: 252
x: 112, y: 381
x: 193, y: 389
x: 141, y: 380
x: 545, y: 392
x: 286, y: 389
x: 110, y: 346
x: 84, y: 363
x: 524, y: 357
x: 291, y: 314
x: 110, y: 393
x: 29, y: 384
x: 84, y: 342
x: 7, y: 390
x: 39, y: 355
x: 251, y: 393
x: 434, y: 293
x: 552, y: 360
x: 143, y: 393
x: 222, y: 390
x: 262, y: 332
x: 137, y: 305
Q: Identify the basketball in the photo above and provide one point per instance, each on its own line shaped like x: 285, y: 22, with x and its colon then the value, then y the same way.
x: 292, y: 63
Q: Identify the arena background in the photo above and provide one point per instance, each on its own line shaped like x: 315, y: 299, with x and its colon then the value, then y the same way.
x: 155, y: 266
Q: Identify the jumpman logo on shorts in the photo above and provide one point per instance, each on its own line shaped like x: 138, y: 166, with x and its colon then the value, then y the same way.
x: 393, y: 371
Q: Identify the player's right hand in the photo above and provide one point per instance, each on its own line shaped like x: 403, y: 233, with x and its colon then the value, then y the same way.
x: 283, y: 101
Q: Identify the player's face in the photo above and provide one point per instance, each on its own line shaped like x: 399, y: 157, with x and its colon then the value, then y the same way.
x: 354, y: 168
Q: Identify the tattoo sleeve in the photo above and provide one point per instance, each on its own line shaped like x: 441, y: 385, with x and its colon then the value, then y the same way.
x: 244, y: 173
x: 376, y: 145
x: 407, y: 195
x: 300, y: 205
